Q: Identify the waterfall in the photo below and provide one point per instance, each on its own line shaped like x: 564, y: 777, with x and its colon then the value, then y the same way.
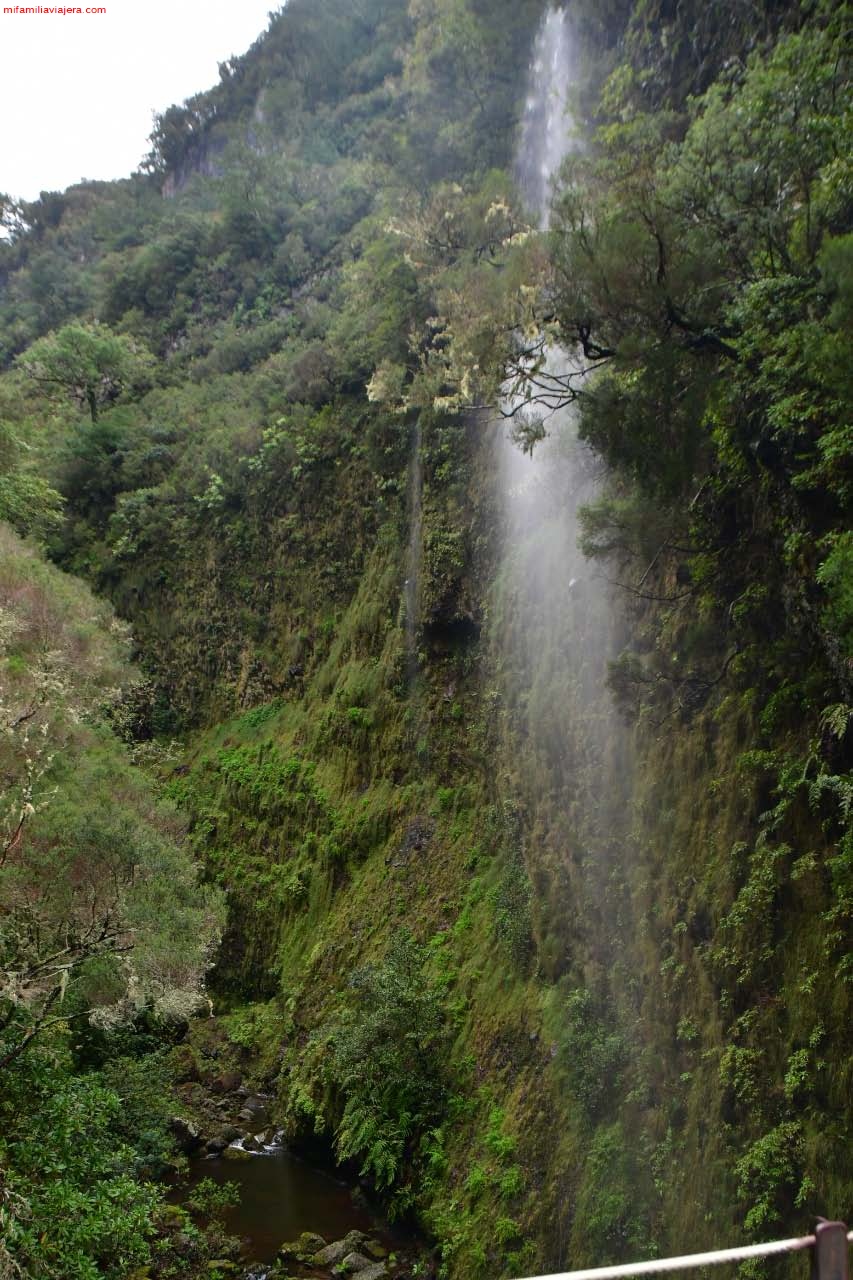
x: 547, y: 132
x: 554, y: 621
x: 411, y: 589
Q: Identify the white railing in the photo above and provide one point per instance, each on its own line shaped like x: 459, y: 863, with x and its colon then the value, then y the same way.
x: 831, y: 1239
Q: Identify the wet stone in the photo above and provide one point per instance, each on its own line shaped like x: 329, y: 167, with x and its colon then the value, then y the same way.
x: 236, y: 1153
x: 303, y: 1249
x: 310, y: 1242
x: 356, y: 1262
x: 331, y: 1255
x: 338, y: 1250
x: 186, y: 1132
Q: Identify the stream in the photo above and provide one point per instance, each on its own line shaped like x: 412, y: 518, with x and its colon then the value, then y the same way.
x: 280, y: 1197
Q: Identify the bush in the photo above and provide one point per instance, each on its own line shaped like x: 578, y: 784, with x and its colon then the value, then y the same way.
x: 386, y: 1061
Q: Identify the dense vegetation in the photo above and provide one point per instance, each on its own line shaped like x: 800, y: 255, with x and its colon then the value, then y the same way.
x: 556, y: 1047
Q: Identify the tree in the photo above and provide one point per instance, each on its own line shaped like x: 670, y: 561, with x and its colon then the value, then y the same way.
x: 680, y: 262
x: 70, y: 1205
x: 89, y: 362
x: 27, y: 501
x: 12, y: 220
x: 101, y: 911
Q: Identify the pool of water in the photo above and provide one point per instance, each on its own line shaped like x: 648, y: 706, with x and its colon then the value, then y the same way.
x: 281, y: 1196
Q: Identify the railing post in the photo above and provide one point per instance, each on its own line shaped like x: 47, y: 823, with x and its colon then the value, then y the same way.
x: 829, y: 1258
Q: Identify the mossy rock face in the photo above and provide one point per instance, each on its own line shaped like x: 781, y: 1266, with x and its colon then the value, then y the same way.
x: 311, y: 1242
x: 303, y: 1249
x: 355, y: 1262
x: 376, y: 1271
x: 170, y: 1217
x: 338, y: 1250
x: 236, y: 1154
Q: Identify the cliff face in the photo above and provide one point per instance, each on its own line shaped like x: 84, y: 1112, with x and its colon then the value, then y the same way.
x: 598, y: 913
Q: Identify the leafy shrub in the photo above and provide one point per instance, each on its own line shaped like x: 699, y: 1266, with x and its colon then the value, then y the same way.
x: 213, y: 1199
x: 769, y: 1175
x: 72, y: 1205
x: 386, y: 1061
x: 590, y: 1054
x: 498, y: 1142
x: 835, y: 575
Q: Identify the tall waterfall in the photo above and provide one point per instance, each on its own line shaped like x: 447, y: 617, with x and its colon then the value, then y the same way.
x: 553, y: 617
x: 547, y: 130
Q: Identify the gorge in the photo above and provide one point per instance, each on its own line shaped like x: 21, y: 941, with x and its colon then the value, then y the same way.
x: 425, y: 627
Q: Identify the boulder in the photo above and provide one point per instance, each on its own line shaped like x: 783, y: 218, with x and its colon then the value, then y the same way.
x: 377, y: 1251
x: 331, y: 1255
x: 311, y: 1242
x: 171, y: 1217
x: 356, y: 1262
x: 338, y: 1250
x: 303, y: 1249
x: 236, y: 1153
x: 376, y: 1271
x: 187, y: 1133
x: 214, y: 1146
x: 225, y: 1082
x: 183, y: 1244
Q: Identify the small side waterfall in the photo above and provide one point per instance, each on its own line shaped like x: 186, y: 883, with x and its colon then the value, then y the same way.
x: 554, y: 622
x: 411, y: 588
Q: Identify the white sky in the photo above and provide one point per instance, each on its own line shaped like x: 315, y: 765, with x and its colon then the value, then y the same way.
x: 77, y: 91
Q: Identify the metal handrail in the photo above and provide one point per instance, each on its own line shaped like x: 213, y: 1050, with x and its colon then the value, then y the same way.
x: 830, y: 1258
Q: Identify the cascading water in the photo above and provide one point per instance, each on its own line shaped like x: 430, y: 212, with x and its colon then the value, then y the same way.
x: 555, y: 624
x: 411, y: 589
x: 547, y: 133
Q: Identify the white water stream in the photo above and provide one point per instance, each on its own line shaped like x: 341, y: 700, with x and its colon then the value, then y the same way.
x: 548, y: 131
x: 555, y: 624
x: 411, y: 587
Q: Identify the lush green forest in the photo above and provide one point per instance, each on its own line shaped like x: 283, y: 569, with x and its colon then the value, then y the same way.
x: 281, y: 740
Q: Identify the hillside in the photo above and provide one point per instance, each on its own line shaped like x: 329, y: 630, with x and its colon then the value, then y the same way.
x: 518, y: 751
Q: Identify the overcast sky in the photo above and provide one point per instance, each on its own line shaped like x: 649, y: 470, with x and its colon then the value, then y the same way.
x: 77, y: 91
